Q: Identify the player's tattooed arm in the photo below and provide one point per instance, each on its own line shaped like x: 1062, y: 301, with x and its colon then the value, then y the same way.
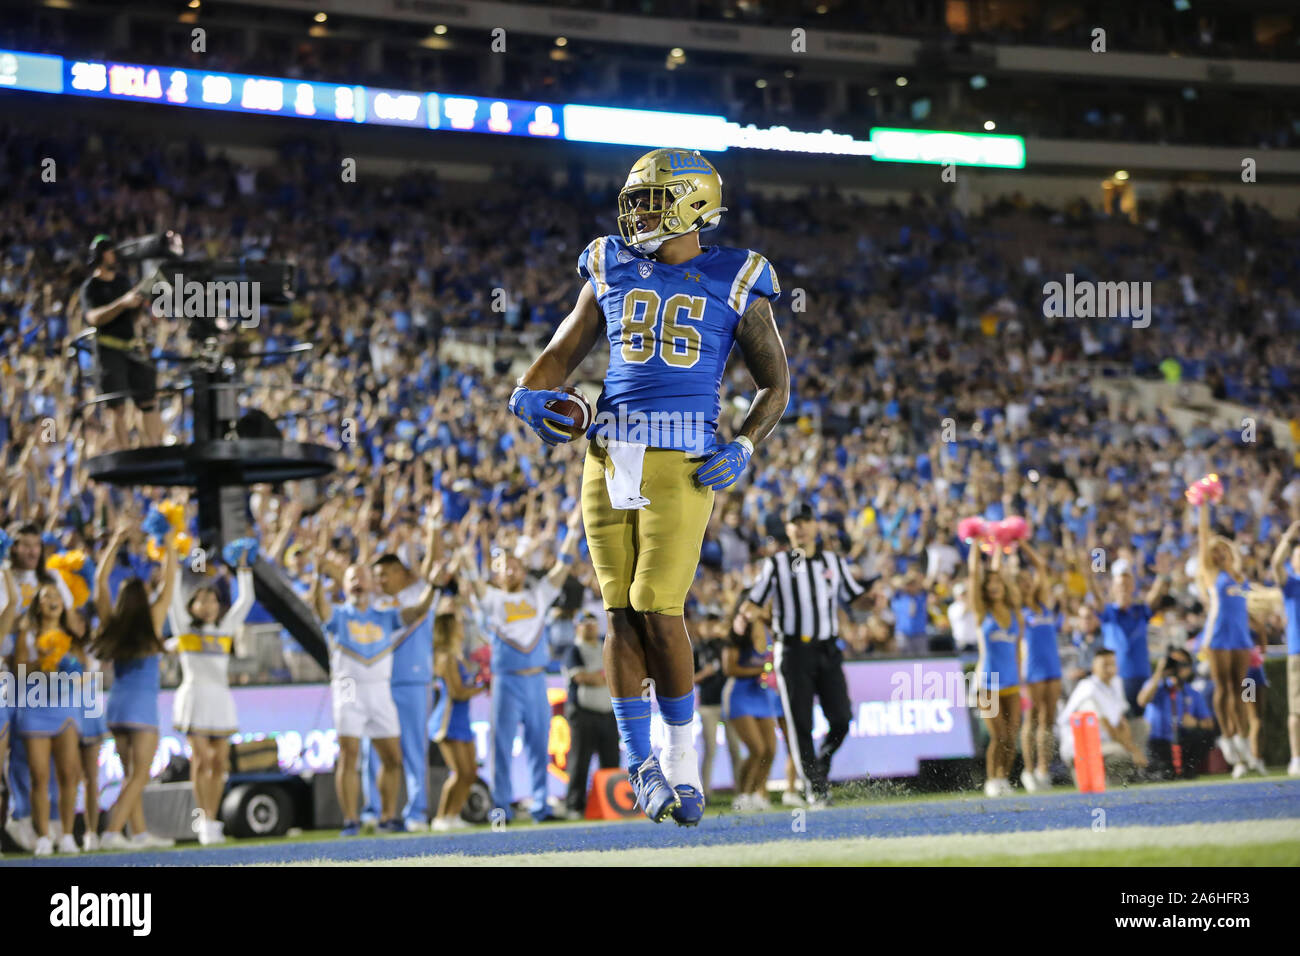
x: 764, y: 353
x: 569, y: 345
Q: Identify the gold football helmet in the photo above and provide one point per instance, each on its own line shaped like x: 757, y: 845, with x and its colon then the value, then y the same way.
x: 668, y: 193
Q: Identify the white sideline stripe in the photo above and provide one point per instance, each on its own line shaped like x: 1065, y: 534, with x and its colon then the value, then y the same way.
x: 868, y: 850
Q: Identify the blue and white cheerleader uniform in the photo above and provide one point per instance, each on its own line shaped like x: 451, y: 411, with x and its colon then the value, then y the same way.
x: 1228, y: 625
x: 204, y: 705
x: 998, y: 665
x: 450, y: 718
x: 747, y: 696
x: 1042, y: 655
x: 133, y: 700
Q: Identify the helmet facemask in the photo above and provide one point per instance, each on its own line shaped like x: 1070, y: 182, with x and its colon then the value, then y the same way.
x: 677, y: 210
x: 643, y: 215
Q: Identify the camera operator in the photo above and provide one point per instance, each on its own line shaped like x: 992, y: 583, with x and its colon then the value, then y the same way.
x: 112, y: 304
x: 1177, y: 716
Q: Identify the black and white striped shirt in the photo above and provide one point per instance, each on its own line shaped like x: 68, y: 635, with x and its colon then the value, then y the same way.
x: 806, y: 592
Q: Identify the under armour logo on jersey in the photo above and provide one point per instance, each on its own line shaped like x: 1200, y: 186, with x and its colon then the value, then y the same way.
x: 645, y: 269
x: 693, y: 276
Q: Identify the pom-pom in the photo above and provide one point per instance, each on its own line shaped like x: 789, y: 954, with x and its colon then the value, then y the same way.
x: 971, y: 529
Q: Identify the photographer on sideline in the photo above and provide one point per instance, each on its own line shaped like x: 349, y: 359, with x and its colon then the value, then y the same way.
x: 1176, y: 715
x: 112, y: 304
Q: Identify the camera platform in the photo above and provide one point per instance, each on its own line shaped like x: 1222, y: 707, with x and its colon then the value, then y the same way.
x: 231, y: 449
x: 239, y: 461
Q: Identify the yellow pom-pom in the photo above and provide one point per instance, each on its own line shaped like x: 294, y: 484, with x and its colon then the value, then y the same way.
x: 154, y: 550
x: 184, y: 543
x: 174, y: 512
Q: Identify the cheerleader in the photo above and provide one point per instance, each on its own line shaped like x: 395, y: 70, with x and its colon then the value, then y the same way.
x: 48, y: 642
x: 204, y: 709
x: 1227, y: 638
x: 9, y: 598
x: 449, y: 725
x: 1043, y: 619
x: 995, y: 599
x: 128, y: 640
x: 1286, y: 574
x: 749, y: 708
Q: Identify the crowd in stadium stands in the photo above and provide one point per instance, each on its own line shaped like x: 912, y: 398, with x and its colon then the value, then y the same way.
x: 928, y: 386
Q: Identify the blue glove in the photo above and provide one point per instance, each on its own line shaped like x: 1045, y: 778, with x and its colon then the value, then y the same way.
x: 725, y: 464
x: 530, y: 406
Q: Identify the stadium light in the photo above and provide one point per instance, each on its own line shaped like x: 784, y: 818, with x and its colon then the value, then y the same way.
x: 320, y: 18
x: 901, y: 81
x: 990, y: 126
x: 440, y: 29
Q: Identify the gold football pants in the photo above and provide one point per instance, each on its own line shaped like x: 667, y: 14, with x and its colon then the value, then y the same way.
x: 646, y: 559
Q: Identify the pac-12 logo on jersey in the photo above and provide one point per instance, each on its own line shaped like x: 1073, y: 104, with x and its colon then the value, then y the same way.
x: 645, y: 269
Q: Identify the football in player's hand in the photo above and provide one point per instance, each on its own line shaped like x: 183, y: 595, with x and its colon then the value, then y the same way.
x: 577, y: 408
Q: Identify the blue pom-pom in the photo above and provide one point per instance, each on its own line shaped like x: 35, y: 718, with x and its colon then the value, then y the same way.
x: 240, y: 549
x: 156, y: 525
x: 49, y: 539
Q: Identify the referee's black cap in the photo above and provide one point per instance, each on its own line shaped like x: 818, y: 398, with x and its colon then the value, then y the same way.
x: 800, y: 511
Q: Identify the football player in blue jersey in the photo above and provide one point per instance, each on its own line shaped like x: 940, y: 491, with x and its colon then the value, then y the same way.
x: 670, y: 311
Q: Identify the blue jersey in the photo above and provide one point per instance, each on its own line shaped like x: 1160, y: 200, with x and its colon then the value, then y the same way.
x: 1291, y: 605
x: 910, y: 617
x: 670, y: 329
x: 1124, y: 631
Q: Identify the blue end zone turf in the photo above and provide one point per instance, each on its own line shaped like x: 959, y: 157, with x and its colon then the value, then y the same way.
x: 1142, y: 806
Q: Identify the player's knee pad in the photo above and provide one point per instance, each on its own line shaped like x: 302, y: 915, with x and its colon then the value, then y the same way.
x: 645, y: 599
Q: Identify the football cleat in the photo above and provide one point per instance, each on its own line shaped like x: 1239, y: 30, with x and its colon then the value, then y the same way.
x: 653, y: 794
x: 682, y: 769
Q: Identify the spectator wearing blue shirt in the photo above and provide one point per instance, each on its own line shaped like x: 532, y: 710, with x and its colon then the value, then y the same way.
x: 910, y: 618
x: 1176, y: 716
x: 1124, y: 631
x: 1287, y: 577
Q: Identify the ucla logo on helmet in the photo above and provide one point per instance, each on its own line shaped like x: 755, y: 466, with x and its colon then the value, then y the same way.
x: 645, y: 269
x: 688, y: 163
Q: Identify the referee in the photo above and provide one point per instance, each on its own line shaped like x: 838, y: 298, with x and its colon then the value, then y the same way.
x: 807, y: 586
